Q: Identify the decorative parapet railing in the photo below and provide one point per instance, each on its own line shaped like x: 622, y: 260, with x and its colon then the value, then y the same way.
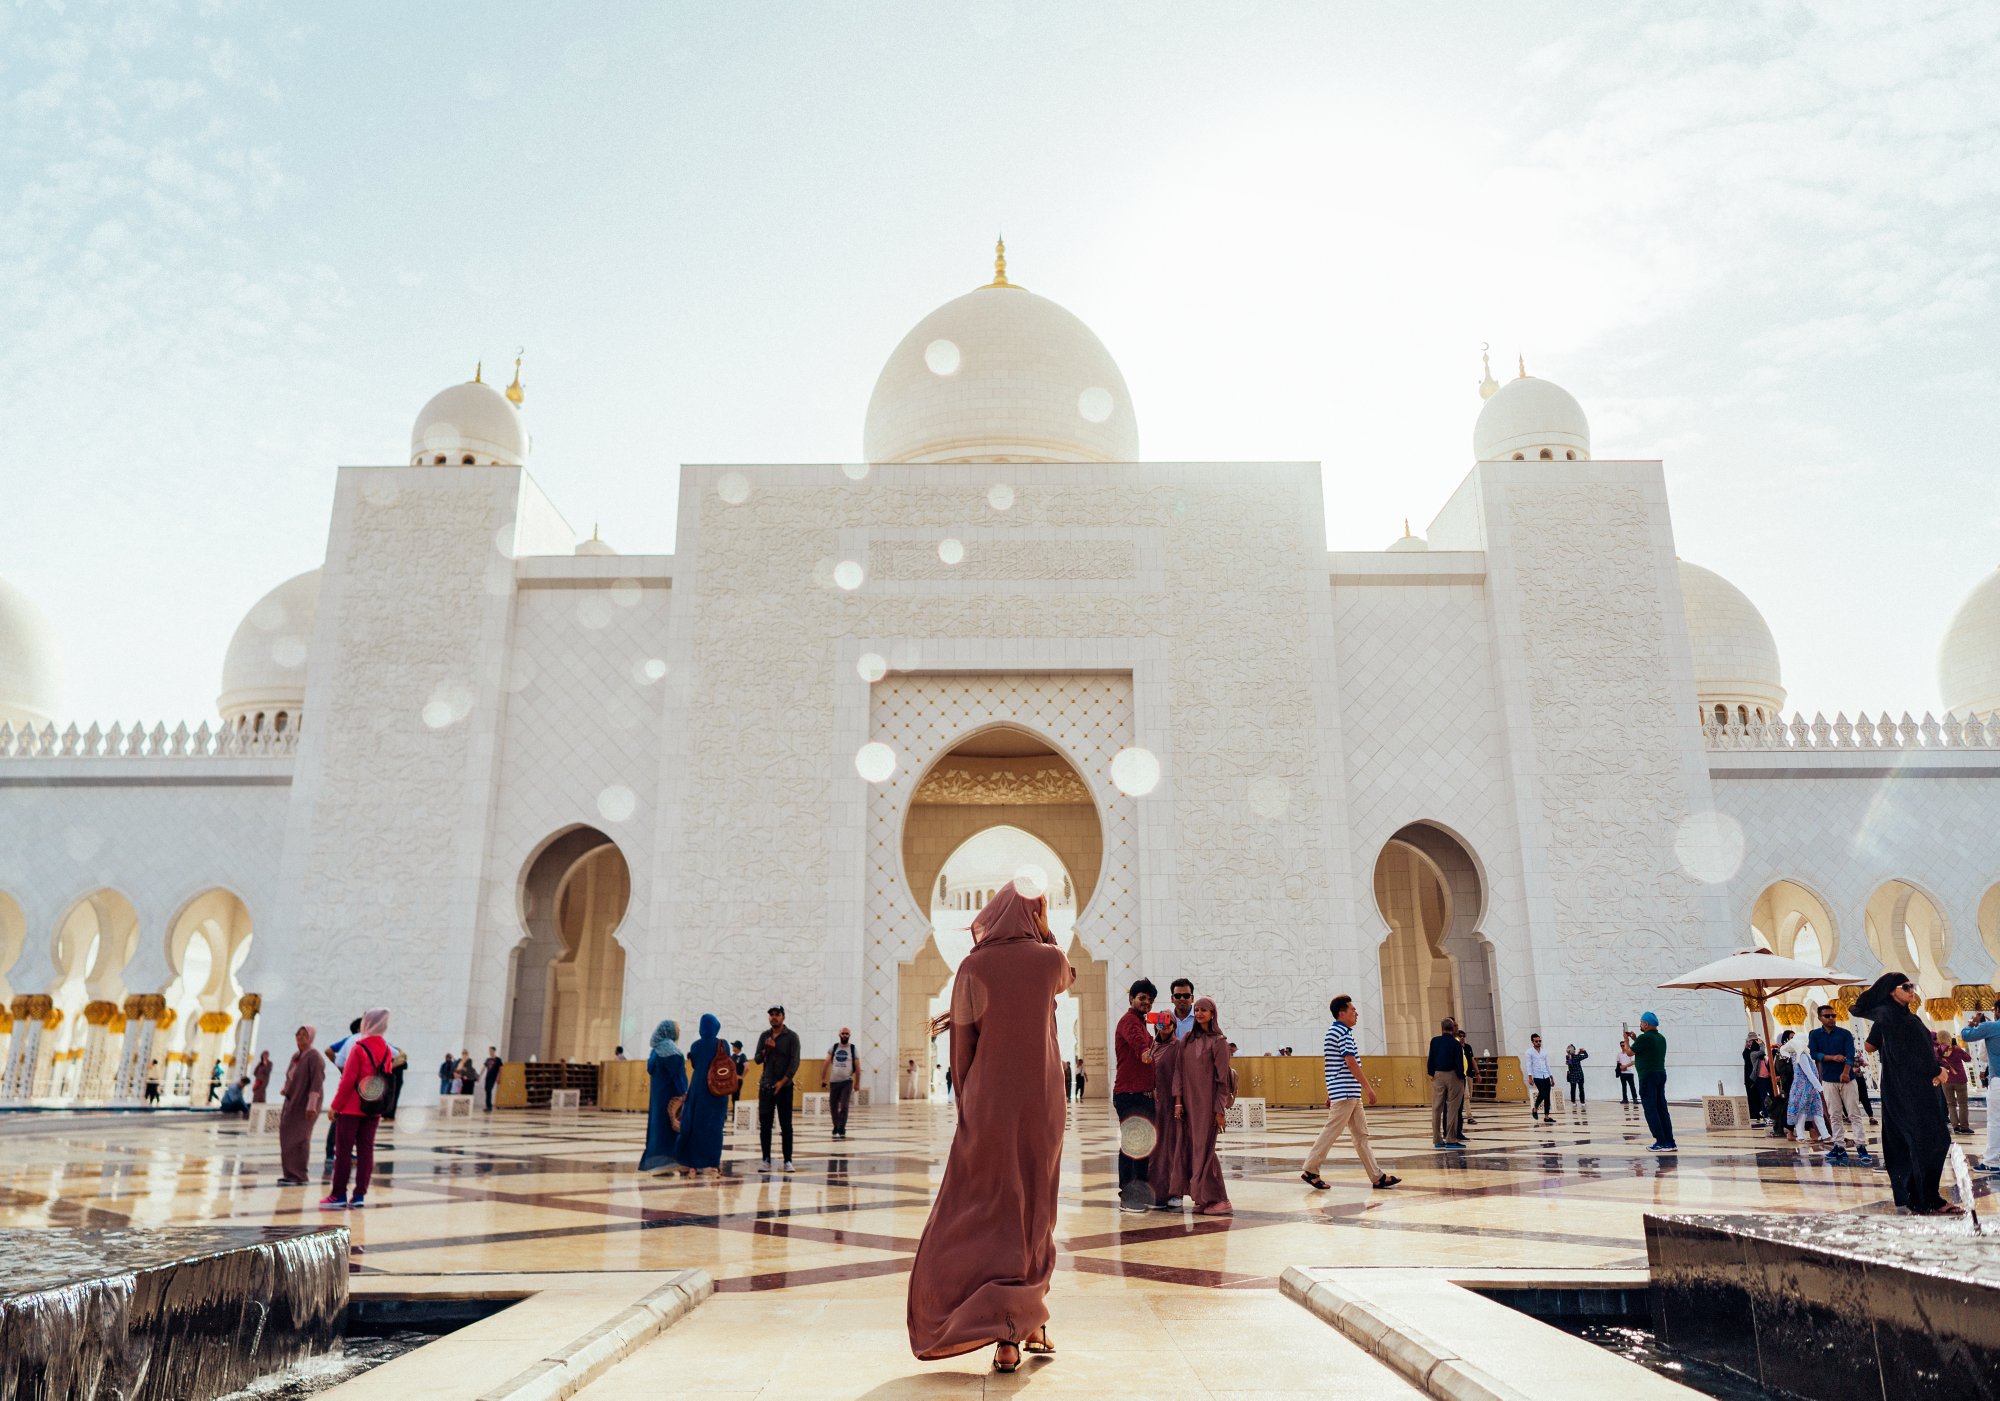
x: 139, y: 742
x: 1841, y: 733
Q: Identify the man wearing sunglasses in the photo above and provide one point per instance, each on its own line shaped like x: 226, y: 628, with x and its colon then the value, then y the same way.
x: 1832, y: 1049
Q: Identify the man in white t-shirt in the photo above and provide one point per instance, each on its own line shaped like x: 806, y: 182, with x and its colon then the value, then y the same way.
x: 843, y: 1068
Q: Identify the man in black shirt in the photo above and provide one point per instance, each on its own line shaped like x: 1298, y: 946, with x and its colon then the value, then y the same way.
x: 1446, y: 1067
x: 778, y: 1053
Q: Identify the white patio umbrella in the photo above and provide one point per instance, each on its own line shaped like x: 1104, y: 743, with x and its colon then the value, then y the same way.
x: 1758, y: 975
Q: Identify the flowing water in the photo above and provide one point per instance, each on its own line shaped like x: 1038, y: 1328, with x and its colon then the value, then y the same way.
x: 1962, y: 1178
x: 173, y: 1313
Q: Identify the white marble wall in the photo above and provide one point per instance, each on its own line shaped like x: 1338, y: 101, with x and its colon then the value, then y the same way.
x: 385, y: 860
x: 1842, y: 824
x: 1604, y: 758
x: 475, y: 689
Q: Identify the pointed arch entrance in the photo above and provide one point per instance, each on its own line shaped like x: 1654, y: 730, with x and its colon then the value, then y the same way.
x: 1049, y: 742
x: 1435, y: 962
x: 977, y: 870
x: 569, y: 973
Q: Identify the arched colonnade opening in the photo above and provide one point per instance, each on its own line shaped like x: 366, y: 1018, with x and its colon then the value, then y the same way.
x: 1902, y: 927
x: 1907, y: 930
x: 207, y: 944
x: 1434, y: 962
x: 1002, y: 803
x: 94, y: 941
x: 569, y: 972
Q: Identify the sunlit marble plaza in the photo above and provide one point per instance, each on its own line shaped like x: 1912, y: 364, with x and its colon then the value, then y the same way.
x: 809, y: 1268
x: 1520, y: 769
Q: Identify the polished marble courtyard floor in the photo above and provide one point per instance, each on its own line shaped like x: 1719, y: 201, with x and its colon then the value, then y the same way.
x: 809, y: 1267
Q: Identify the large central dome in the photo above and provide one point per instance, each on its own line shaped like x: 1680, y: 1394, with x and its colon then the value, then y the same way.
x: 1000, y: 375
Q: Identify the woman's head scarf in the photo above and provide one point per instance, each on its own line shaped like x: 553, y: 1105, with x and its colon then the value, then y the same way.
x: 312, y: 1035
x: 374, y: 1022
x: 1011, y: 916
x: 664, y: 1036
x: 1879, y: 997
x: 1214, y: 1021
x: 711, y: 1025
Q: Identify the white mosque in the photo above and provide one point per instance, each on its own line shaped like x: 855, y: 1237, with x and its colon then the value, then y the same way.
x: 1521, y: 768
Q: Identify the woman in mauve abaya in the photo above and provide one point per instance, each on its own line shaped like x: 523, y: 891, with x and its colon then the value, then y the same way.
x: 1915, y: 1136
x: 1167, y: 1168
x: 982, y: 1269
x: 305, y: 1083
x: 1204, y: 1088
x: 260, y: 1078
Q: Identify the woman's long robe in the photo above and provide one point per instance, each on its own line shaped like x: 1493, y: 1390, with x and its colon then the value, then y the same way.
x: 1167, y: 1170
x: 982, y: 1269
x: 1914, y: 1137
x: 305, y: 1078
x: 669, y: 1075
x: 702, y: 1117
x: 1205, y: 1091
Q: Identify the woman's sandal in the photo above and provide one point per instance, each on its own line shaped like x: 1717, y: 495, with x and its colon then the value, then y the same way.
x: 1003, y: 1365
x: 1040, y: 1342
x: 1315, y: 1181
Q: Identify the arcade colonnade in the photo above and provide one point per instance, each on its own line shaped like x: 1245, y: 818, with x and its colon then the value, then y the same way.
x: 1899, y: 925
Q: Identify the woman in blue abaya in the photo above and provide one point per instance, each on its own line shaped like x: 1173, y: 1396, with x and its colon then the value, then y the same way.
x: 700, y: 1145
x: 668, y: 1069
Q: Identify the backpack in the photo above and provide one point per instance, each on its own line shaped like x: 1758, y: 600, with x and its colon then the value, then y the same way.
x: 373, y: 1088
x: 724, y: 1079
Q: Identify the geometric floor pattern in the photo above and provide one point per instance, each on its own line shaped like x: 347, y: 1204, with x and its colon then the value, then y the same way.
x: 813, y: 1262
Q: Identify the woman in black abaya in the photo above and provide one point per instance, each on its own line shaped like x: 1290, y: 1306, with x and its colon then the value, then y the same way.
x: 1914, y: 1136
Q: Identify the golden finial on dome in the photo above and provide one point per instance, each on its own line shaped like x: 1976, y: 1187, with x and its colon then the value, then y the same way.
x: 1000, y: 263
x: 1488, y: 386
x: 478, y: 369
x: 516, y: 391
x: 1406, y: 527
x: 1522, y: 361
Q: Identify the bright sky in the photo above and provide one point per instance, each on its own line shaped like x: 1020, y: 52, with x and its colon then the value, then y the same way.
x: 242, y: 243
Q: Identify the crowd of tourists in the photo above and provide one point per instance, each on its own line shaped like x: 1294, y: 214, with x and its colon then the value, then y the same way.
x: 693, y: 1092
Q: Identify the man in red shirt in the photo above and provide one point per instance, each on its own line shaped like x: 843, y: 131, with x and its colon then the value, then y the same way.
x: 1132, y: 1097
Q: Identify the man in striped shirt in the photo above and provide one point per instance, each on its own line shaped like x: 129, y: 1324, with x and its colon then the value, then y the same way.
x: 1346, y: 1087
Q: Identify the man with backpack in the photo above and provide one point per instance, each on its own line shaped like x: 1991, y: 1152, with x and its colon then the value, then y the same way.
x: 842, y: 1069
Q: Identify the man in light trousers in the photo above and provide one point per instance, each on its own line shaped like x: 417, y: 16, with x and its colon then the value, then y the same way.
x: 1832, y: 1048
x: 1987, y: 1033
x: 1346, y: 1087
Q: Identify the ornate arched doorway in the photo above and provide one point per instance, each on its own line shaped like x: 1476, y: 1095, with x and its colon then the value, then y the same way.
x: 1081, y: 719
x: 1435, y: 963
x: 569, y: 973
x: 982, y: 865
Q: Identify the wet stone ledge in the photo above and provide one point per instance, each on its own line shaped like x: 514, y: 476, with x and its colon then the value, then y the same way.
x: 147, y: 1315
x: 1833, y: 1307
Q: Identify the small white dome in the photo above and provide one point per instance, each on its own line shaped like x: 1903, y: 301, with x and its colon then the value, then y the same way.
x: 594, y: 546
x: 1735, y: 656
x: 264, y: 671
x: 1529, y: 418
x: 1969, y: 657
x: 1407, y: 543
x: 31, y: 664
x: 470, y: 425
x: 1000, y: 375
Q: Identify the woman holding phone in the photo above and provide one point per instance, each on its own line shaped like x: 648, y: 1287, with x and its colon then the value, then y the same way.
x: 982, y: 1269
